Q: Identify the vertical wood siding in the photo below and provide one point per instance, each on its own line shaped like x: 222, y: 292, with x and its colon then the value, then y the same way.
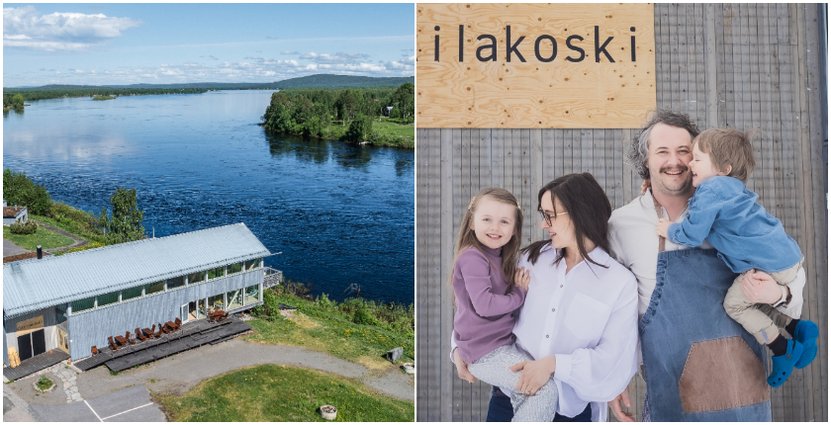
x: 747, y: 66
x: 92, y: 327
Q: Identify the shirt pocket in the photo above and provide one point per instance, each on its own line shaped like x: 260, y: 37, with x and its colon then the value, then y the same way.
x: 586, y: 318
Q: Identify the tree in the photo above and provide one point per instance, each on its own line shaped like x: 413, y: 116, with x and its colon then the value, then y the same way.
x: 19, y: 190
x: 359, y: 130
x: 402, y: 102
x: 125, y: 224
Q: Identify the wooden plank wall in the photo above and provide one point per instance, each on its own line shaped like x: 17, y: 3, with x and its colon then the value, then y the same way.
x: 741, y: 65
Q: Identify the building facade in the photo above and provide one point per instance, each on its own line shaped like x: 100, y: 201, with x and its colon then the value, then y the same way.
x: 78, y: 300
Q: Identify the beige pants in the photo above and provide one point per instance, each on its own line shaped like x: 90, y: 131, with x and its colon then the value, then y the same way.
x: 760, y: 320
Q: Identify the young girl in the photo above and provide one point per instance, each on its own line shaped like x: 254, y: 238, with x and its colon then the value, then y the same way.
x: 725, y: 213
x: 489, y: 290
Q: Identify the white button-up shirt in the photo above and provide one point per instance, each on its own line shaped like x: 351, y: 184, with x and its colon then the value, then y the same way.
x: 586, y: 318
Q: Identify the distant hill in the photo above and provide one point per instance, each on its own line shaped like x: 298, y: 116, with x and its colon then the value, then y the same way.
x: 311, y: 81
x: 341, y: 81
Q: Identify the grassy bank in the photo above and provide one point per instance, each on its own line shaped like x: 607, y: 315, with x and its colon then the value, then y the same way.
x: 357, y: 330
x: 43, y: 237
x: 281, y: 394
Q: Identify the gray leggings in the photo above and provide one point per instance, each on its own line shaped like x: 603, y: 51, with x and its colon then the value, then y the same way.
x: 494, y: 368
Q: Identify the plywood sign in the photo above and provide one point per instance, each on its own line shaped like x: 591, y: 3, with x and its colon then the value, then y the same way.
x: 30, y: 324
x: 535, y: 65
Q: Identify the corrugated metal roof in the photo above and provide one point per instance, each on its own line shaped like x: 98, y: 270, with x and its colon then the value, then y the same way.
x: 31, y: 285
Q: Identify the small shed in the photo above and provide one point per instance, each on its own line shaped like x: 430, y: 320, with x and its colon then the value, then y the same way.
x: 15, y: 214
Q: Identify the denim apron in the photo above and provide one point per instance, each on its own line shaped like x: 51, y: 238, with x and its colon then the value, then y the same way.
x: 699, y: 365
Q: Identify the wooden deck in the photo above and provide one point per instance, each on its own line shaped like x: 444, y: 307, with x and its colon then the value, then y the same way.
x: 190, y: 335
x: 35, y: 364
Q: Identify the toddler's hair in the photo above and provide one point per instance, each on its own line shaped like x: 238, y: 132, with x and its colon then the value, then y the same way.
x: 467, y: 237
x: 728, y: 147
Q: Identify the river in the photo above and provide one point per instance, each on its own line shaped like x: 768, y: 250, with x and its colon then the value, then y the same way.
x: 337, y: 214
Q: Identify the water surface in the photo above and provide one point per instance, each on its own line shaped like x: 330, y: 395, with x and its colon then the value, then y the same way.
x: 338, y: 214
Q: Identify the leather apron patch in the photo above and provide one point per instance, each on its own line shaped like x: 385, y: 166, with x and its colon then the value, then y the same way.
x: 732, y: 366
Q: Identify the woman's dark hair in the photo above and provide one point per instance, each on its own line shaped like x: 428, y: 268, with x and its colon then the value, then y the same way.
x: 588, y: 208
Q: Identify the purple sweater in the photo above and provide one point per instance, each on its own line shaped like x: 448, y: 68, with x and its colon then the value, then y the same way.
x: 484, y: 317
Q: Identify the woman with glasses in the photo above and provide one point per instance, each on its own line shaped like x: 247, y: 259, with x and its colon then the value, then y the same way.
x: 579, y: 321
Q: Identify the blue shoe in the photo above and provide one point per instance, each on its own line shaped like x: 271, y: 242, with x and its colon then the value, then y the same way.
x: 806, y: 333
x: 783, y: 365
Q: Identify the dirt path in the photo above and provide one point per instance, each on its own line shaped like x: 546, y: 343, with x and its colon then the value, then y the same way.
x: 76, y: 240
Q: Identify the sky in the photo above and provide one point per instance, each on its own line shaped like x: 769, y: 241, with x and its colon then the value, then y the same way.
x: 101, y: 44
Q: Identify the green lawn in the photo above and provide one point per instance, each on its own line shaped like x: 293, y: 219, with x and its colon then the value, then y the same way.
x: 43, y: 237
x: 356, y: 330
x: 281, y: 394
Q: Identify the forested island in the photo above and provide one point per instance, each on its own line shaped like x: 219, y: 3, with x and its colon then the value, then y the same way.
x: 377, y: 116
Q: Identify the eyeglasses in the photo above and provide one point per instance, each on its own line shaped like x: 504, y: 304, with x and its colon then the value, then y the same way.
x: 550, y: 218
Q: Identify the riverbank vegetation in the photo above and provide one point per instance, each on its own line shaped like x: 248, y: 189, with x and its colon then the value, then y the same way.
x: 274, y: 393
x: 357, y: 329
x: 123, y: 224
x: 377, y: 116
x: 14, y: 98
x: 12, y: 101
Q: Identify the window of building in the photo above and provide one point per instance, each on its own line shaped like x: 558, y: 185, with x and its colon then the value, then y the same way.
x: 253, y: 264
x: 252, y: 294
x: 107, y: 299
x: 217, y: 272
x: 175, y: 282
x: 131, y: 293
x: 235, y: 268
x: 84, y: 304
x: 235, y: 299
x: 155, y: 287
x: 196, y: 278
x: 216, y: 302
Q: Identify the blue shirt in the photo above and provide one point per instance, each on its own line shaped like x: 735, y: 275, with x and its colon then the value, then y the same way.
x: 725, y: 213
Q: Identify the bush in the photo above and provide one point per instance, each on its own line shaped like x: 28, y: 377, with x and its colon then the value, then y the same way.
x: 27, y: 228
x: 44, y: 383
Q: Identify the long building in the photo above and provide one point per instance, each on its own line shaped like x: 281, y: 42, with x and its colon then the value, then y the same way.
x: 75, y: 301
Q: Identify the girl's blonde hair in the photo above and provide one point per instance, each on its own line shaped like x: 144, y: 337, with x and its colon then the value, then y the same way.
x: 467, y: 237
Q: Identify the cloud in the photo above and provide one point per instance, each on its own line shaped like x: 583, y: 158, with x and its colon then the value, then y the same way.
x: 334, y: 58
x: 208, y: 68
x: 25, y: 27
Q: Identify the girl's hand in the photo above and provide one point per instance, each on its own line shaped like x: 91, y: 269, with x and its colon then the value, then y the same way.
x: 522, y: 278
x: 662, y: 228
x: 461, y: 367
x: 535, y: 374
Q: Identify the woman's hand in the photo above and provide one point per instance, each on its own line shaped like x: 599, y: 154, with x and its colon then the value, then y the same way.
x: 522, y: 278
x: 535, y: 373
x: 662, y: 228
x: 461, y: 367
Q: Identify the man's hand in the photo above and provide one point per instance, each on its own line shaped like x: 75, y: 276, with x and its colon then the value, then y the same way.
x: 621, y: 406
x: 535, y: 374
x: 461, y: 367
x: 663, y: 227
x: 759, y: 288
x: 522, y: 278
